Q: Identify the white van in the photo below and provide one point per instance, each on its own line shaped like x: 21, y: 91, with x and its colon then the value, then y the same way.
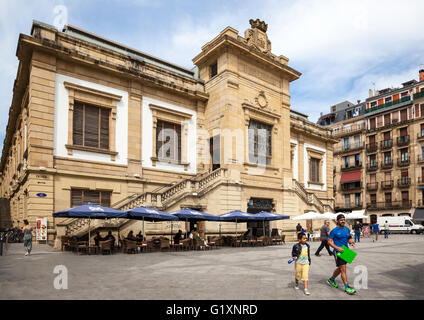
x: 400, y: 224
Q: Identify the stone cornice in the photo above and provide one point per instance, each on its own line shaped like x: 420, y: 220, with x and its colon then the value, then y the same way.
x: 226, y: 40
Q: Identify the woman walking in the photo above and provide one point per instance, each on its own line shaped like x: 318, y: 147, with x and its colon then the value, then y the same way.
x: 27, y: 229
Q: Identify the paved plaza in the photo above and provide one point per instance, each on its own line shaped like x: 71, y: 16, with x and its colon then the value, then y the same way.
x: 394, y: 266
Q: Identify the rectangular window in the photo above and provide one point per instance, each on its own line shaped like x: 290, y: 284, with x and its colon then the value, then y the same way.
x: 357, y: 159
x: 357, y: 199
x: 403, y: 115
x: 213, y: 69
x: 422, y: 130
x: 371, y: 139
x: 387, y: 158
x: 373, y: 161
x: 90, y: 126
x: 80, y: 197
x: 373, y: 198
x: 347, y: 200
x: 357, y: 141
x: 314, y: 170
x: 347, y: 162
x: 405, y: 196
x: 346, y: 143
x: 388, y: 99
x: 372, y: 123
x: 387, y: 119
x: 388, y: 198
x: 395, y: 116
x: 404, y: 155
x: 260, y: 142
x: 168, y: 141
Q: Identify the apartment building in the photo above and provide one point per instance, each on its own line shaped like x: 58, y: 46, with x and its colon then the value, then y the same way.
x: 95, y: 121
x: 381, y: 154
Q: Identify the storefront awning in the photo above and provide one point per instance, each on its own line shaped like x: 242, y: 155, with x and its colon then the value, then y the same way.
x: 418, y: 214
x: 350, y: 177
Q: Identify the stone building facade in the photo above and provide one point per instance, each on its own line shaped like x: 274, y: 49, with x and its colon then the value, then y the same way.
x: 95, y: 121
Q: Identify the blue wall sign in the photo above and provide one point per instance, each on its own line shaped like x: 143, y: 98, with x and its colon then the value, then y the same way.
x: 41, y: 195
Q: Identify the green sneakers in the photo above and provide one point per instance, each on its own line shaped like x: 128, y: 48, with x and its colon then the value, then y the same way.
x: 332, y: 283
x: 350, y: 290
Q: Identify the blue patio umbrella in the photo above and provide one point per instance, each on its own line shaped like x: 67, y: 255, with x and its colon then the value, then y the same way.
x: 237, y: 216
x: 269, y: 216
x: 149, y: 214
x: 194, y: 215
x: 90, y: 211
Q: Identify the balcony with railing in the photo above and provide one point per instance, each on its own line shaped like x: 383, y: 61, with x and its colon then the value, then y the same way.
x: 420, y: 159
x: 389, y: 205
x: 372, y: 186
x: 351, y: 167
x: 372, y: 147
x: 387, y: 185
x: 349, y: 148
x: 387, y: 164
x: 418, y: 95
x: 402, y: 141
x: 420, y: 135
x: 386, y: 144
x: 353, y: 186
x: 372, y: 166
x: 403, y: 162
x: 348, y: 130
x: 357, y: 205
x: 389, y: 104
x: 404, y: 182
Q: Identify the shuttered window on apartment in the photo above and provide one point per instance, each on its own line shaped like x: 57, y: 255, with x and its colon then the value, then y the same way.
x: 403, y: 115
x: 168, y: 141
x: 90, y: 126
x: 80, y: 197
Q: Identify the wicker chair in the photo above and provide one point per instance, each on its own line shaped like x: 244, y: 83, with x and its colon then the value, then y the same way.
x: 106, y: 246
x: 164, y: 244
x: 187, y: 244
x: 130, y: 246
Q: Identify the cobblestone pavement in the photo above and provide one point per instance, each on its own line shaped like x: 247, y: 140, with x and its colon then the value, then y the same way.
x: 395, y: 271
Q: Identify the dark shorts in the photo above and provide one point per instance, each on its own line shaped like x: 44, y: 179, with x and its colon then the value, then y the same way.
x: 339, y: 262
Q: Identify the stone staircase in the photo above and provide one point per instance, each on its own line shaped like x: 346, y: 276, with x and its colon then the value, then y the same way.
x: 172, y: 193
x: 310, y: 198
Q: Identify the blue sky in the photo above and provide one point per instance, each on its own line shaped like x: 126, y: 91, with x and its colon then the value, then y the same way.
x: 340, y: 47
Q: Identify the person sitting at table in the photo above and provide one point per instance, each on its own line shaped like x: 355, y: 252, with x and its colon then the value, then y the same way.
x: 140, y: 237
x: 131, y: 236
x: 194, y: 234
x: 98, y: 238
x: 178, y: 237
x: 110, y: 237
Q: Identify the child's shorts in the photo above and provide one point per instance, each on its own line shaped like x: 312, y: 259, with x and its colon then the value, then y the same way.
x: 302, y: 271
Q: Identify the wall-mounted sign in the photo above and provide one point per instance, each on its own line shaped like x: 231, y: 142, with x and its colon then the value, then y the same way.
x: 41, y: 228
x: 41, y: 195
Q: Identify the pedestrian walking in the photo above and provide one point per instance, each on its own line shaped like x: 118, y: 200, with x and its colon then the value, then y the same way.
x: 386, y: 230
x: 325, y: 231
x: 358, y: 228
x: 302, y: 257
x: 298, y: 229
x: 340, y: 236
x: 27, y: 230
x: 375, y: 230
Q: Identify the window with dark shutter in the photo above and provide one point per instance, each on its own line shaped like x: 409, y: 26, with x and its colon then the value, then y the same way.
x: 91, y: 126
x: 168, y: 141
x: 80, y: 197
x: 260, y: 139
x: 314, y: 170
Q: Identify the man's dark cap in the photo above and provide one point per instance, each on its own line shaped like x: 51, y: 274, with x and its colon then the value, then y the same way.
x: 340, y: 216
